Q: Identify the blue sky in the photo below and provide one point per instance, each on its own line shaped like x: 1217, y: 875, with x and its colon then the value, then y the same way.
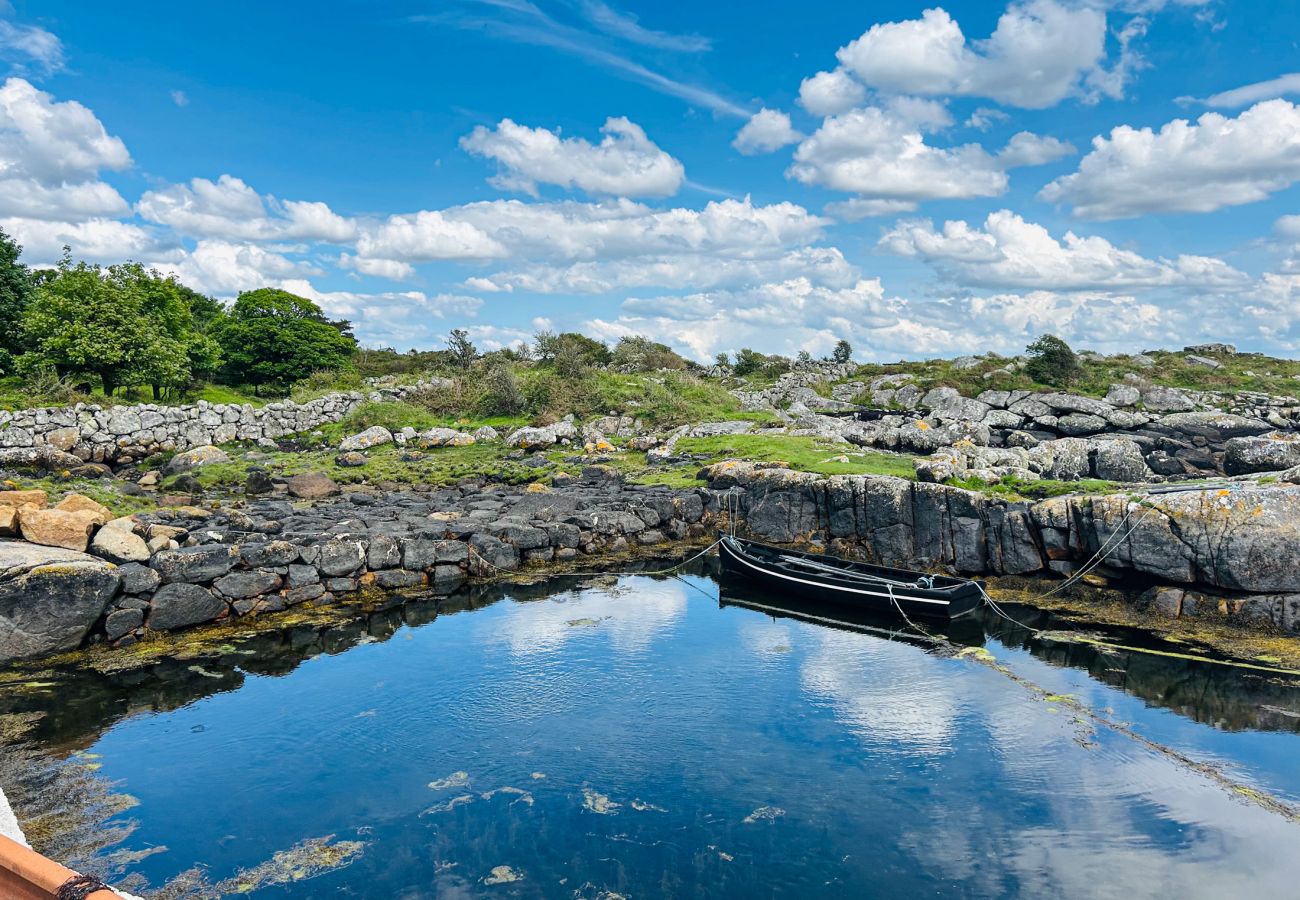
x: 920, y: 180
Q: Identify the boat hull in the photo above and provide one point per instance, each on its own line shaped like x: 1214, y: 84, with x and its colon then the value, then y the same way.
x: 881, y: 599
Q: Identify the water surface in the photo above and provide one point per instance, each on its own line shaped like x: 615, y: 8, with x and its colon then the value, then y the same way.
x: 638, y: 737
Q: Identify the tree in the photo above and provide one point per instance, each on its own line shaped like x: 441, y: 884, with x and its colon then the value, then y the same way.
x: 748, y: 361
x: 271, y: 336
x: 187, y: 352
x: 15, y: 293
x: 843, y: 351
x: 1051, y: 361
x: 635, y: 353
x: 460, y: 347
x: 722, y: 361
x: 82, y: 318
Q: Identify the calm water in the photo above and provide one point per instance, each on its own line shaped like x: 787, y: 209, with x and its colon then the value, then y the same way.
x: 639, y: 738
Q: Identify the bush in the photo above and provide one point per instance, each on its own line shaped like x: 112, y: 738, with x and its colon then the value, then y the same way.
x: 502, y: 395
x: 1051, y: 361
x: 635, y: 353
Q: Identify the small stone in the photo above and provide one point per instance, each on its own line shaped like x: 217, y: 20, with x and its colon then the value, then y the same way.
x: 258, y: 482
x: 350, y: 460
x: 138, y: 579
x: 192, y: 459
x: 37, y: 499
x: 312, y: 486
x: 123, y: 622
x: 120, y: 546
x: 239, y: 585
x: 58, y: 528
x: 82, y: 503
x: 180, y: 605
x: 194, y: 564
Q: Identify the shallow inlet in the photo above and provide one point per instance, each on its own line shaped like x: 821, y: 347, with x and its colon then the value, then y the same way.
x: 660, y: 737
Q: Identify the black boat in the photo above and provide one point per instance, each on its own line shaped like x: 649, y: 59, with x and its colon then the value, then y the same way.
x: 829, y: 579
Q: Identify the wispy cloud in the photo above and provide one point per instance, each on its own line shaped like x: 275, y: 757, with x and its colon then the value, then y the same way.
x: 524, y: 22
x: 1260, y: 90
x: 29, y: 45
x: 628, y: 27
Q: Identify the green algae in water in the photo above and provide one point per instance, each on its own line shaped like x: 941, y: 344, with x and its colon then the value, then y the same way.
x: 502, y: 875
x: 454, y: 780
x: 594, y: 801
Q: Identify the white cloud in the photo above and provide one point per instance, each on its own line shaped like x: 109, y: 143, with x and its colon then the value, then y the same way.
x: 1040, y: 53
x: 1288, y: 226
x: 97, y: 240
x: 231, y: 210
x: 399, y: 319
x: 426, y: 236
x: 30, y: 45
x: 1026, y: 149
x: 767, y: 130
x: 985, y: 118
x: 77, y: 202
x: 1260, y: 90
x: 855, y: 210
x: 225, y: 268
x: 1186, y: 167
x: 831, y: 93
x: 624, y: 164
x: 883, y: 155
x: 53, y: 141
x: 1008, y: 252
x: 180, y: 98
x: 392, y: 269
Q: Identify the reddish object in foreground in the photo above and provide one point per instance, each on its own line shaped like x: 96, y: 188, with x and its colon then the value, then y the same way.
x: 26, y: 875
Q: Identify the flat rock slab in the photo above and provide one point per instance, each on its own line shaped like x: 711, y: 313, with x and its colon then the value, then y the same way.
x: 50, y: 598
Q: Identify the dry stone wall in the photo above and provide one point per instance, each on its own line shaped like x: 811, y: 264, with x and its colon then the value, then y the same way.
x: 120, y: 433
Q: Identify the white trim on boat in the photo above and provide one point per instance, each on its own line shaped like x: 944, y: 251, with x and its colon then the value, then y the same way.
x: 834, y: 587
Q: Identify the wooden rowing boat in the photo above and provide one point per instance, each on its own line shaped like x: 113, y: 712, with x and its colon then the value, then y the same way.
x: 829, y: 579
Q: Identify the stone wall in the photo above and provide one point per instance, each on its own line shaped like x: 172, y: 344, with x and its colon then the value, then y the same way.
x: 185, y: 566
x: 123, y: 433
x: 1234, y: 551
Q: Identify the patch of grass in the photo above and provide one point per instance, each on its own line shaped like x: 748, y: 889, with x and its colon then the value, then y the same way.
x: 120, y: 504
x: 394, y: 415
x: 805, y: 454
x: 1014, y: 488
x: 221, y: 393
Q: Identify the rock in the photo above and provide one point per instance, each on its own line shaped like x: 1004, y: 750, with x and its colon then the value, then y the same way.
x: 1157, y: 398
x: 194, y: 564
x: 1270, y: 452
x: 58, y: 528
x: 1123, y: 395
x: 122, y: 622
x: 1226, y: 349
x: 385, y: 552
x: 1074, y: 403
x: 300, y: 575
x: 120, y: 546
x: 1120, y: 460
x: 179, y: 605
x: 192, y: 459
x: 138, y: 579
x: 1067, y: 459
x: 258, y: 482
x: 1080, y: 423
x: 350, y: 460
x: 240, y: 585
x: 486, y: 433
x: 9, y: 526
x: 268, y: 553
x: 49, y: 598
x: 337, y: 557
x: 444, y: 437
x: 374, y: 436
x: 947, y: 403
x: 491, y: 554
x: 541, y: 438
x: 312, y: 486
x: 82, y: 503
x: 1203, y: 361
x: 15, y: 499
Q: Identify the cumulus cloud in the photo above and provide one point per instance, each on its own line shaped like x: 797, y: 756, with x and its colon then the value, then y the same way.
x: 767, y: 130
x: 1008, y: 252
x: 1040, y: 53
x: 399, y: 319
x: 230, y: 209
x: 831, y: 93
x: 425, y: 236
x: 225, y: 268
x: 97, y: 240
x: 625, y: 163
x: 1185, y: 167
x: 51, y: 154
x: 883, y: 155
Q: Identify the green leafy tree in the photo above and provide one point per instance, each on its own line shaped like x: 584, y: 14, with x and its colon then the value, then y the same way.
x: 640, y: 354
x: 271, y: 336
x: 722, y: 360
x: 1051, y: 361
x: 748, y: 361
x: 187, y: 352
x: 843, y: 351
x: 16, y: 288
x: 462, y: 349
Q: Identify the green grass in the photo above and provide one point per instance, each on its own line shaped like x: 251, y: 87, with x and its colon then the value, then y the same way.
x: 805, y: 454
x: 1039, y: 489
x: 120, y: 504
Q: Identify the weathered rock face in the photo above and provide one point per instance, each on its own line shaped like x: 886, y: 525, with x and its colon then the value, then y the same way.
x: 1270, y: 452
x: 312, y: 486
x: 49, y: 598
x: 1244, y: 540
x: 372, y: 437
x: 58, y: 528
x: 178, y: 605
x: 192, y: 459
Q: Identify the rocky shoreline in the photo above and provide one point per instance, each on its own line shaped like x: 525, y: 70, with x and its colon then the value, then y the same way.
x: 1228, y: 552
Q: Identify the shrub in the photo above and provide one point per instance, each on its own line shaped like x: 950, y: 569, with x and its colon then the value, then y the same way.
x: 1051, y: 361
